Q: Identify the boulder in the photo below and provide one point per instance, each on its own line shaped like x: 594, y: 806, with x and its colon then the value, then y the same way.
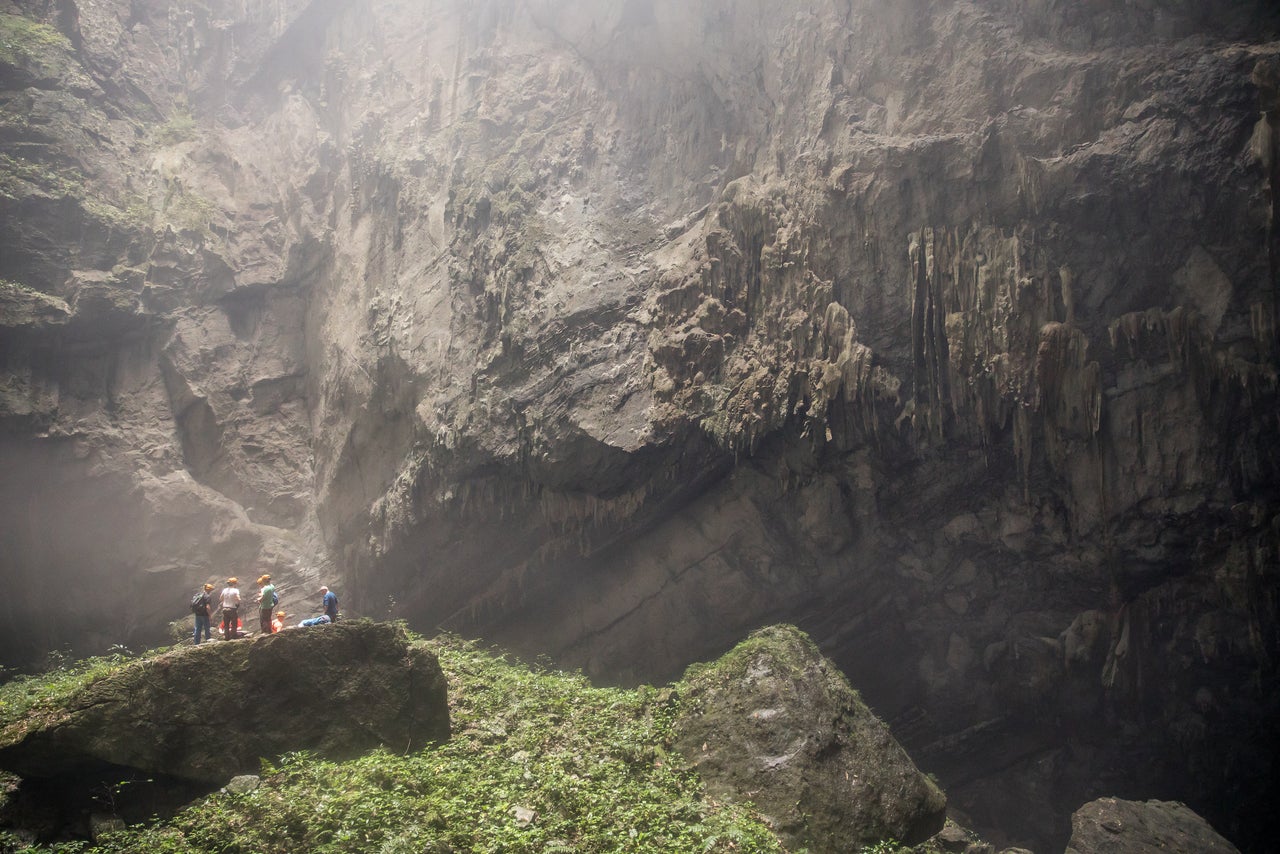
x: 776, y: 723
x: 209, y: 712
x: 1113, y: 826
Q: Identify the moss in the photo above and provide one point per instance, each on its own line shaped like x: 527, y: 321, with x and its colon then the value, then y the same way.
x: 820, y: 737
x: 180, y: 127
x: 27, y: 701
x: 21, y: 178
x: 12, y: 289
x: 784, y: 643
x: 29, y: 44
x: 134, y: 216
x: 539, y: 761
x: 188, y: 211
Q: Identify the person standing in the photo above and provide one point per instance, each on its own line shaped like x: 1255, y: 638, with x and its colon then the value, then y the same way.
x: 267, y: 600
x: 201, y: 610
x: 330, y: 602
x: 230, y: 609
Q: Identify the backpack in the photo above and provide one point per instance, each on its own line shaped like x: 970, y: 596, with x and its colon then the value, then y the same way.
x: 196, y: 602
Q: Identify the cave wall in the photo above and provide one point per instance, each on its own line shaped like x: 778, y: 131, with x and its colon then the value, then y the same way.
x: 610, y: 331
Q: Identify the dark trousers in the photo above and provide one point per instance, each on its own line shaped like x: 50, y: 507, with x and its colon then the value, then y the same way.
x: 229, y: 619
x: 202, y: 625
x: 264, y: 620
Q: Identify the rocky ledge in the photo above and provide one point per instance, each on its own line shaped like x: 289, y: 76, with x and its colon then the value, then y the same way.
x: 205, y: 713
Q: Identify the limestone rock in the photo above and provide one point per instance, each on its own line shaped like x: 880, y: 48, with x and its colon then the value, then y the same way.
x: 23, y: 308
x: 1114, y: 826
x: 776, y: 723
x: 960, y: 840
x: 242, y: 784
x: 210, y: 712
x: 611, y: 331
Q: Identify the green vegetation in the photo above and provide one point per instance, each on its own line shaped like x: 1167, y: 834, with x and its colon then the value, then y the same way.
x: 27, y: 43
x: 540, y: 761
x: 189, y: 211
x: 28, y: 699
x: 893, y: 846
x: 20, y: 177
x: 180, y: 127
x: 887, y: 846
x: 771, y: 640
x: 17, y: 288
x: 135, y: 216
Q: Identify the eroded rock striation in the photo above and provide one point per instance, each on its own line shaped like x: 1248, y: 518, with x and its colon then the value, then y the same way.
x: 946, y: 331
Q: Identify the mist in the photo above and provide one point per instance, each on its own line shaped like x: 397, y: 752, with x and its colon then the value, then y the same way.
x: 612, y: 332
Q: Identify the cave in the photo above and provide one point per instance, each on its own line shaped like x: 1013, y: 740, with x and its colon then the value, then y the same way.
x: 612, y: 332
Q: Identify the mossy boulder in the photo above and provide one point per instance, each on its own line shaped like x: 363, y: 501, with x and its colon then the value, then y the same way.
x: 775, y: 723
x: 206, y: 713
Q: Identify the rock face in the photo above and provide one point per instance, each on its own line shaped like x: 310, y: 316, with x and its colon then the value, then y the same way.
x: 946, y: 331
x: 1112, y: 826
x: 206, y: 713
x: 773, y: 722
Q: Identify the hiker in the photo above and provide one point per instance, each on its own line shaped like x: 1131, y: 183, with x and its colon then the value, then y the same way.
x: 330, y: 601
x: 200, y: 607
x: 267, y: 601
x: 278, y: 623
x: 231, y: 609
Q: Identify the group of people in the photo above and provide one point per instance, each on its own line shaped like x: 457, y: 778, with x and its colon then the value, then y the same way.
x: 269, y: 620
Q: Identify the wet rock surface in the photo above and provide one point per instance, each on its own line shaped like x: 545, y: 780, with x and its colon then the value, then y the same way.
x: 614, y: 331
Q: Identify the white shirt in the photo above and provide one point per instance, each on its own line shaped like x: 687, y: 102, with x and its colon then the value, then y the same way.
x: 230, y: 597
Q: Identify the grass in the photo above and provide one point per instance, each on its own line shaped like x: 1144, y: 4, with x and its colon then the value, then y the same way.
x: 26, y: 700
x: 540, y: 761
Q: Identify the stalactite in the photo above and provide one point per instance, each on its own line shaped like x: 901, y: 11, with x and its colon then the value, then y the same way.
x: 1023, y: 431
x: 928, y: 336
x: 1067, y: 279
x: 970, y: 305
x: 1262, y: 323
x: 1068, y: 385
